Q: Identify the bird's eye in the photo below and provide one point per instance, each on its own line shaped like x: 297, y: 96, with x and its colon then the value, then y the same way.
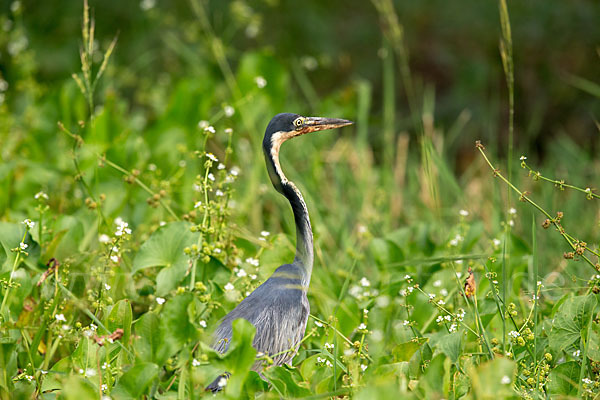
x: 298, y: 122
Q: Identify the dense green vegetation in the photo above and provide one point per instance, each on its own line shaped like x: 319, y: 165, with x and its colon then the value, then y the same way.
x: 136, y: 211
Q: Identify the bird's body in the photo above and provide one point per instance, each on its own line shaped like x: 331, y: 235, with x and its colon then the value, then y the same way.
x: 279, y: 307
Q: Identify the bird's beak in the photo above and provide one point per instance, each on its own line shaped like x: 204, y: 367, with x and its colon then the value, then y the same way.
x: 312, y: 124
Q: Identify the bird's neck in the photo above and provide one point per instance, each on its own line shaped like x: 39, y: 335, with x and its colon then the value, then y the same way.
x: 304, y: 236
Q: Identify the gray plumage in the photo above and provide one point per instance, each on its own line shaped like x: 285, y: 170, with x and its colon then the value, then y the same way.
x: 279, y: 307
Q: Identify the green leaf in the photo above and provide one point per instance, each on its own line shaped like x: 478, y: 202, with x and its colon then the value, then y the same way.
x: 134, y: 382
x: 240, y: 357
x: 10, y: 236
x: 564, y: 379
x: 147, y: 344
x: 288, y: 382
x: 593, y: 350
x: 165, y: 249
x: 175, y: 327
x: 77, y: 388
x: 451, y: 346
x: 405, y: 351
x: 570, y: 320
x: 493, y: 379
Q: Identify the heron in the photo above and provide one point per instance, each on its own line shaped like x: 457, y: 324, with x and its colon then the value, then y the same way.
x: 279, y: 308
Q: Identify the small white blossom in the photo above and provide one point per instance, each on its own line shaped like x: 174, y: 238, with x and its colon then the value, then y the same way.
x: 211, y: 177
x: 90, y: 372
x: 505, y: 380
x: 463, y: 213
x: 28, y: 223
x: 212, y: 157
x: 252, y: 261
x: 410, y: 289
x: 439, y: 319
x: 198, y: 204
x: 512, y: 211
x: 203, y: 323
x: 511, y: 222
x: 362, y: 326
x: 407, y: 277
x: 402, y: 292
x: 253, y: 276
x: 431, y: 296
x: 152, y: 167
x: 23, y: 246
x: 448, y: 318
x: 229, y: 287
x: 260, y: 82
x: 264, y: 234
x: 328, y: 346
x: 229, y: 111
x: 221, y: 166
x: 41, y: 195
x: 576, y: 353
x: 219, y: 193
x: 210, y: 129
x: 514, y: 334
x: 160, y: 300
x: 106, y: 286
x: 523, y: 158
x: 105, y: 365
x: 196, y: 188
x: 406, y: 322
x: 60, y: 317
x: 441, y: 302
x: 104, y: 387
x: 452, y: 328
x: 365, y: 311
x: 203, y: 124
x: 114, y: 258
x: 317, y: 323
x: 364, y: 282
x: 195, y: 363
x: 328, y: 363
x: 496, y: 242
x: 241, y: 273
x: 444, y: 292
x: 363, y: 367
x: 104, y: 238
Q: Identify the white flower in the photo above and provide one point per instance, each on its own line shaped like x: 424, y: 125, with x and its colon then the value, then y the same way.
x: 496, y: 242
x: 93, y: 327
x: 106, y: 286
x: 41, y: 195
x: 221, y: 166
x: 441, y: 302
x: 264, y: 234
x: 328, y: 346
x: 197, y: 204
x: 437, y: 283
x: 448, y: 318
x: 452, y: 328
x: 252, y: 261
x: 162, y: 223
x: 362, y: 326
x: 212, y: 157
x: 104, y: 238
x: 203, y: 124
x: 511, y: 223
x: 444, y: 292
x: 241, y: 273
x: 463, y: 213
x: 211, y: 177
x: 210, y: 129
x: 60, y: 317
x: 23, y: 246
x: 195, y: 363
x: 115, y: 249
x: 203, y: 323
x: 151, y: 167
x: 229, y: 111
x: 219, y: 193
x: 196, y: 188
x: 229, y: 287
x: 253, y: 276
x: 363, y: 367
x: 328, y: 363
x: 406, y: 322
x: 364, y: 282
x: 160, y: 300
x: 104, y: 387
x: 505, y: 380
x: 234, y: 171
x: 217, y: 251
x: 29, y: 377
x: 457, y: 239
x: 514, y: 334
x: 114, y: 258
x: 407, y: 277
x: 512, y: 211
x: 317, y: 323
x: 576, y: 353
x: 402, y: 292
x: 439, y: 319
x: 588, y: 190
x: 122, y: 227
x: 28, y: 223
x: 365, y: 311
x: 410, y: 289
x: 105, y: 365
x: 260, y: 82
x: 146, y: 5
x: 431, y: 296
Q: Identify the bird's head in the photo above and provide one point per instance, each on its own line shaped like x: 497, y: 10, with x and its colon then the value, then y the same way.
x: 288, y: 125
